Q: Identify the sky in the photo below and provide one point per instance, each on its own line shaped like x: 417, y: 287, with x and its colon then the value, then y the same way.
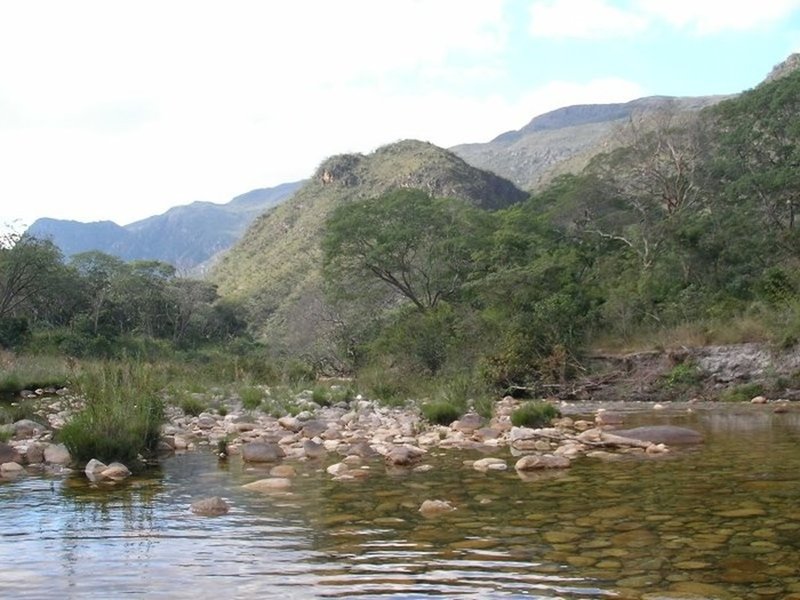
x: 118, y: 110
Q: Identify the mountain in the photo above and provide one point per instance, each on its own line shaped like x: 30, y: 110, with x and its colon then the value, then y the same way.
x: 564, y: 140
x: 187, y: 237
x: 275, y: 268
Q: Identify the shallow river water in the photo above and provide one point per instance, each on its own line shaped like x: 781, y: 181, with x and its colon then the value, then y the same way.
x: 719, y: 520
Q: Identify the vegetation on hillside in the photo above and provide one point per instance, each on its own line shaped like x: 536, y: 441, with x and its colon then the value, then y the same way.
x: 412, y: 271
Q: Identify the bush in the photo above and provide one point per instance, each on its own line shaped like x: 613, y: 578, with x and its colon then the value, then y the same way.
x: 742, y: 393
x: 321, y: 395
x: 251, y: 397
x: 441, y: 412
x: 122, y: 416
x: 534, y: 414
x: 193, y: 406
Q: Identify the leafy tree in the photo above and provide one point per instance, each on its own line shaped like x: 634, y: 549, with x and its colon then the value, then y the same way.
x: 418, y: 246
x: 27, y: 265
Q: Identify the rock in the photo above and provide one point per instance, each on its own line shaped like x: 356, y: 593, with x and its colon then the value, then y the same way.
x: 534, y: 462
x: 403, y: 456
x: 489, y: 464
x: 283, y: 471
x: 432, y: 508
x: 312, y: 449
x: 93, y: 469
x: 662, y: 434
x: 338, y: 469
x: 271, y: 484
x: 34, y: 454
x: 57, y: 454
x: 9, y: 454
x: 468, y: 423
x: 262, y: 452
x: 210, y: 507
x: 293, y: 424
x: 313, y: 428
x: 26, y: 428
x: 759, y: 400
x: 11, y: 469
x: 362, y: 449
x: 205, y: 421
x: 116, y: 472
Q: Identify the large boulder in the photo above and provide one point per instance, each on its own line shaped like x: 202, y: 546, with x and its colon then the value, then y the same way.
x: 11, y: 469
x: 57, y: 454
x: 662, y: 434
x: 9, y: 454
x: 262, y: 452
x: 25, y: 428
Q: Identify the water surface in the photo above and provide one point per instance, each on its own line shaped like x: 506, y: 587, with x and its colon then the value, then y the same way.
x: 720, y: 520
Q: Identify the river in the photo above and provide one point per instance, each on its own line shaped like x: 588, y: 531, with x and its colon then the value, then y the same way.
x: 717, y: 520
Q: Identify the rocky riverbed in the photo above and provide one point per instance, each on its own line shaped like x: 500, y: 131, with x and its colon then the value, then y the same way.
x: 346, y: 436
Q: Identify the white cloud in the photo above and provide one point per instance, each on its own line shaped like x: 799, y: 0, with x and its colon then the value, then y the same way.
x: 710, y: 16
x: 589, y: 19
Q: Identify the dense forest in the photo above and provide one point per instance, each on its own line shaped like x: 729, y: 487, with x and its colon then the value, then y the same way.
x: 686, y: 234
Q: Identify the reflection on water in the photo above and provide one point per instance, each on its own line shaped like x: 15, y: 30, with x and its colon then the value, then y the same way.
x: 719, y: 520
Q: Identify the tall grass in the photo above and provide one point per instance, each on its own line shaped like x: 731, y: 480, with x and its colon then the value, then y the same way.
x: 122, y: 415
x: 20, y: 372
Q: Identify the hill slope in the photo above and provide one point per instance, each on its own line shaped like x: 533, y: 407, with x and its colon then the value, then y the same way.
x: 275, y: 267
x: 184, y: 236
x: 564, y: 140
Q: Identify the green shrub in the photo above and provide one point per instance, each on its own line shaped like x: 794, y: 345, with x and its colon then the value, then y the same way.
x: 252, y: 397
x: 321, y: 395
x: 441, y: 412
x: 193, y: 406
x: 742, y: 393
x: 534, y: 414
x: 682, y: 375
x: 5, y: 433
x: 122, y: 415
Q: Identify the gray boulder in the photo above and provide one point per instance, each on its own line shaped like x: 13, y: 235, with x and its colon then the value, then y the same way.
x: 262, y: 452
x: 662, y: 434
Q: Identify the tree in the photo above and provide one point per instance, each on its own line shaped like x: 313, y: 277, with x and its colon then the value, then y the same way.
x: 25, y: 266
x: 650, y: 183
x: 418, y: 246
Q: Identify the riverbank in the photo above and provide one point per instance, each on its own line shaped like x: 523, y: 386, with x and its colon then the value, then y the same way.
x: 343, y: 437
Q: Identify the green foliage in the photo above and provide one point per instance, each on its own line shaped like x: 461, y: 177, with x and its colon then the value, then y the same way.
x: 122, y: 415
x: 251, y: 397
x: 17, y: 411
x: 441, y: 412
x: 5, y: 434
x: 416, y: 245
x: 534, y: 414
x: 192, y: 405
x: 682, y: 375
x: 742, y: 393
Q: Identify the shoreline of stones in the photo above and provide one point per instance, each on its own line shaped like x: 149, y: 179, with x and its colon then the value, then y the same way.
x: 346, y: 435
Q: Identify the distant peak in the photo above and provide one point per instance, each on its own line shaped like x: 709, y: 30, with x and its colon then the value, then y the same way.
x: 787, y: 67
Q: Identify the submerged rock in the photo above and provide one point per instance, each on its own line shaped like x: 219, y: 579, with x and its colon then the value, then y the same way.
x: 210, y: 507
x: 662, y: 434
x: 533, y: 462
x: 270, y: 484
x: 432, y: 508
